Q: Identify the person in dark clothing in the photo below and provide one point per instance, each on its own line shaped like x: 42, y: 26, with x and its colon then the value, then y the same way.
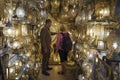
x: 45, y: 36
x: 62, y: 53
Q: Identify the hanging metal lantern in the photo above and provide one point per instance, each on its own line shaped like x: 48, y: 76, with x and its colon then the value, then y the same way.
x: 8, y: 31
x: 20, y: 12
x: 46, y: 4
x: 102, y: 10
x: 16, y: 44
x: 113, y: 40
x: 55, y: 7
x: 72, y: 13
x: 55, y: 3
x: 81, y: 18
x: 65, y: 6
x: 44, y: 14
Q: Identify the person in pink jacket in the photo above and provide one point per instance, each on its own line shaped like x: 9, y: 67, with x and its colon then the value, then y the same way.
x: 63, y: 54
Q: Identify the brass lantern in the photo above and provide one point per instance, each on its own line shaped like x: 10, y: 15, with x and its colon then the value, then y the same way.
x: 55, y: 6
x: 72, y: 13
x: 102, y: 10
x: 55, y: 3
x: 8, y: 31
x: 20, y: 12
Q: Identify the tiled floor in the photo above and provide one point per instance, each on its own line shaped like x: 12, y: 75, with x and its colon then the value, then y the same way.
x: 54, y: 75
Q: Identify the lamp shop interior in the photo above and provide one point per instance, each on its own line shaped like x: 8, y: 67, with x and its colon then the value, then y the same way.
x: 93, y: 27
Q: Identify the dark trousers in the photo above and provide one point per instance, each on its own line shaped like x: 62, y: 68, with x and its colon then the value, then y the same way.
x: 45, y: 60
x: 63, y: 55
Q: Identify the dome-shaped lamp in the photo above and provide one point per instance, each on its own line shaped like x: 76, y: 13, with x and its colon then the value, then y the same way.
x: 20, y: 12
x: 16, y: 44
x: 115, y: 45
x: 8, y: 31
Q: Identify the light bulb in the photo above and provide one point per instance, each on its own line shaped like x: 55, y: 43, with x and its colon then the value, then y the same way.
x: 115, y: 45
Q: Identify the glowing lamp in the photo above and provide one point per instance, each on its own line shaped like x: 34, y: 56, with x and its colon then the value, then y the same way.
x: 16, y: 45
x: 20, y: 12
x: 8, y: 31
x: 115, y: 45
x: 102, y: 9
